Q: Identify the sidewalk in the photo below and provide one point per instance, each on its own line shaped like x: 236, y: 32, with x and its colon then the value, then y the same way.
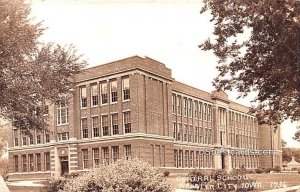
x: 3, y: 187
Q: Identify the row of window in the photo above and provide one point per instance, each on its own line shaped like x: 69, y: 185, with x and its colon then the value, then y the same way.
x: 36, y: 138
x: 192, y: 134
x: 31, y: 162
x: 104, y: 155
x: 192, y: 159
x: 244, y: 161
x: 100, y: 93
x: 106, y: 127
x: 242, y: 141
x: 191, y: 108
x: 242, y: 121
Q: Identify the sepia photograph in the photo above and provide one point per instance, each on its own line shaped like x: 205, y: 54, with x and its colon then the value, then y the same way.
x: 149, y: 95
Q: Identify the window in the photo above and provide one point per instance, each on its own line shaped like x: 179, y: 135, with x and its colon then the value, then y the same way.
x: 30, y: 140
x: 16, y: 163
x: 105, y: 152
x: 115, y: 153
x: 114, y: 91
x: 24, y: 139
x: 191, y: 134
x: 192, y: 159
x: 190, y: 104
x: 95, y: 125
x: 47, y: 138
x: 31, y: 164
x: 196, y: 110
x: 174, y: 130
x: 105, y: 131
x: 125, y: 89
x: 94, y: 95
x: 63, y: 136
x: 200, y: 110
x: 185, y: 106
x: 84, y: 128
x: 62, y: 113
x: 180, y: 158
x: 179, y: 127
x: 175, y: 158
x: 179, y: 105
x: 114, y: 123
x: 186, y: 156
x: 174, y: 104
x: 83, y: 98
x: 38, y: 162
x: 16, y: 141
x: 186, y: 130
x: 46, y: 109
x: 96, y: 157
x: 208, y: 112
x: 127, y: 151
x: 47, y: 161
x: 104, y: 95
x: 127, y: 121
x: 205, y: 112
x: 24, y: 163
x: 85, y: 158
x: 196, y: 136
x: 38, y: 139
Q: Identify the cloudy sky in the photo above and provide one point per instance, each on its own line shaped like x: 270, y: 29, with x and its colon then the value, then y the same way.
x: 165, y: 30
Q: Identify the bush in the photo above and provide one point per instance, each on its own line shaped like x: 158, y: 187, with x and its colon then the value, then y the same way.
x: 277, y: 169
x: 166, y: 173
x: 268, y: 170
x: 4, y: 168
x: 123, y: 175
x: 259, y: 170
x: 220, y: 180
x: 55, y: 185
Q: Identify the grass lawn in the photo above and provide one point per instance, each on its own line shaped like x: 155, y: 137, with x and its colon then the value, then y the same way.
x: 24, y: 189
x: 263, y: 181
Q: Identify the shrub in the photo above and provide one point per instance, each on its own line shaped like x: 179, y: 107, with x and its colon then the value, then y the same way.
x: 198, y: 177
x: 277, y: 169
x: 268, y: 170
x: 166, y: 173
x: 123, y: 175
x: 55, y: 185
x: 259, y: 170
x: 4, y: 168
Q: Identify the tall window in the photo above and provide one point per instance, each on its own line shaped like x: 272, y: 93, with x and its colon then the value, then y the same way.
x: 205, y: 112
x: 179, y: 129
x: 185, y: 107
x: 16, y: 140
x: 24, y: 163
x: 186, y: 156
x: 190, y: 104
x: 174, y: 130
x: 62, y: 113
x: 24, y: 140
x: 94, y: 95
x: 115, y: 153
x: 16, y: 163
x: 196, y: 110
x: 115, y: 124
x: 38, y: 162
x: 173, y: 103
x: 127, y: 121
x: 85, y: 158
x: 114, y: 91
x: 83, y: 97
x: 63, y: 136
x: 208, y: 112
x: 96, y: 157
x: 192, y: 159
x: 95, y: 125
x: 127, y: 151
x: 200, y: 110
x: 125, y: 89
x: 31, y: 162
x: 47, y: 161
x: 105, y: 152
x: 175, y: 158
x: 104, y: 95
x: 179, y: 105
x: 30, y: 140
x: 47, y: 137
x: 104, y: 121
x: 84, y: 128
x: 38, y: 139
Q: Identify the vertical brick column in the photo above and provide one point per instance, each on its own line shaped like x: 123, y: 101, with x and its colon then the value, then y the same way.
x: 73, y: 157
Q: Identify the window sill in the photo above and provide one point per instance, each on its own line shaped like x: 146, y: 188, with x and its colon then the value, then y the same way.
x: 113, y: 102
x: 124, y: 101
x: 62, y: 124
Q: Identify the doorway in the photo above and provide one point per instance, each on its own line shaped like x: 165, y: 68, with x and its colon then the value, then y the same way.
x: 64, y: 165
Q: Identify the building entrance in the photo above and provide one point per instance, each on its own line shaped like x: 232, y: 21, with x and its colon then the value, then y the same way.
x: 64, y: 165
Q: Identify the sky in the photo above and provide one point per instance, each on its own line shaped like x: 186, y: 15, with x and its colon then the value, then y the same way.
x: 166, y: 30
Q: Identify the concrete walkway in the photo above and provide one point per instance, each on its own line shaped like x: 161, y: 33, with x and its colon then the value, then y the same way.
x: 3, y: 187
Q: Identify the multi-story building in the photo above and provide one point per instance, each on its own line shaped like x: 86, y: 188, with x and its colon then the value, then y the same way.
x: 135, y: 108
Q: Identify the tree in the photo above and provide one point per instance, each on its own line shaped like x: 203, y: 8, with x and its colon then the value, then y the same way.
x: 255, y: 42
x: 31, y: 72
x: 283, y: 143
